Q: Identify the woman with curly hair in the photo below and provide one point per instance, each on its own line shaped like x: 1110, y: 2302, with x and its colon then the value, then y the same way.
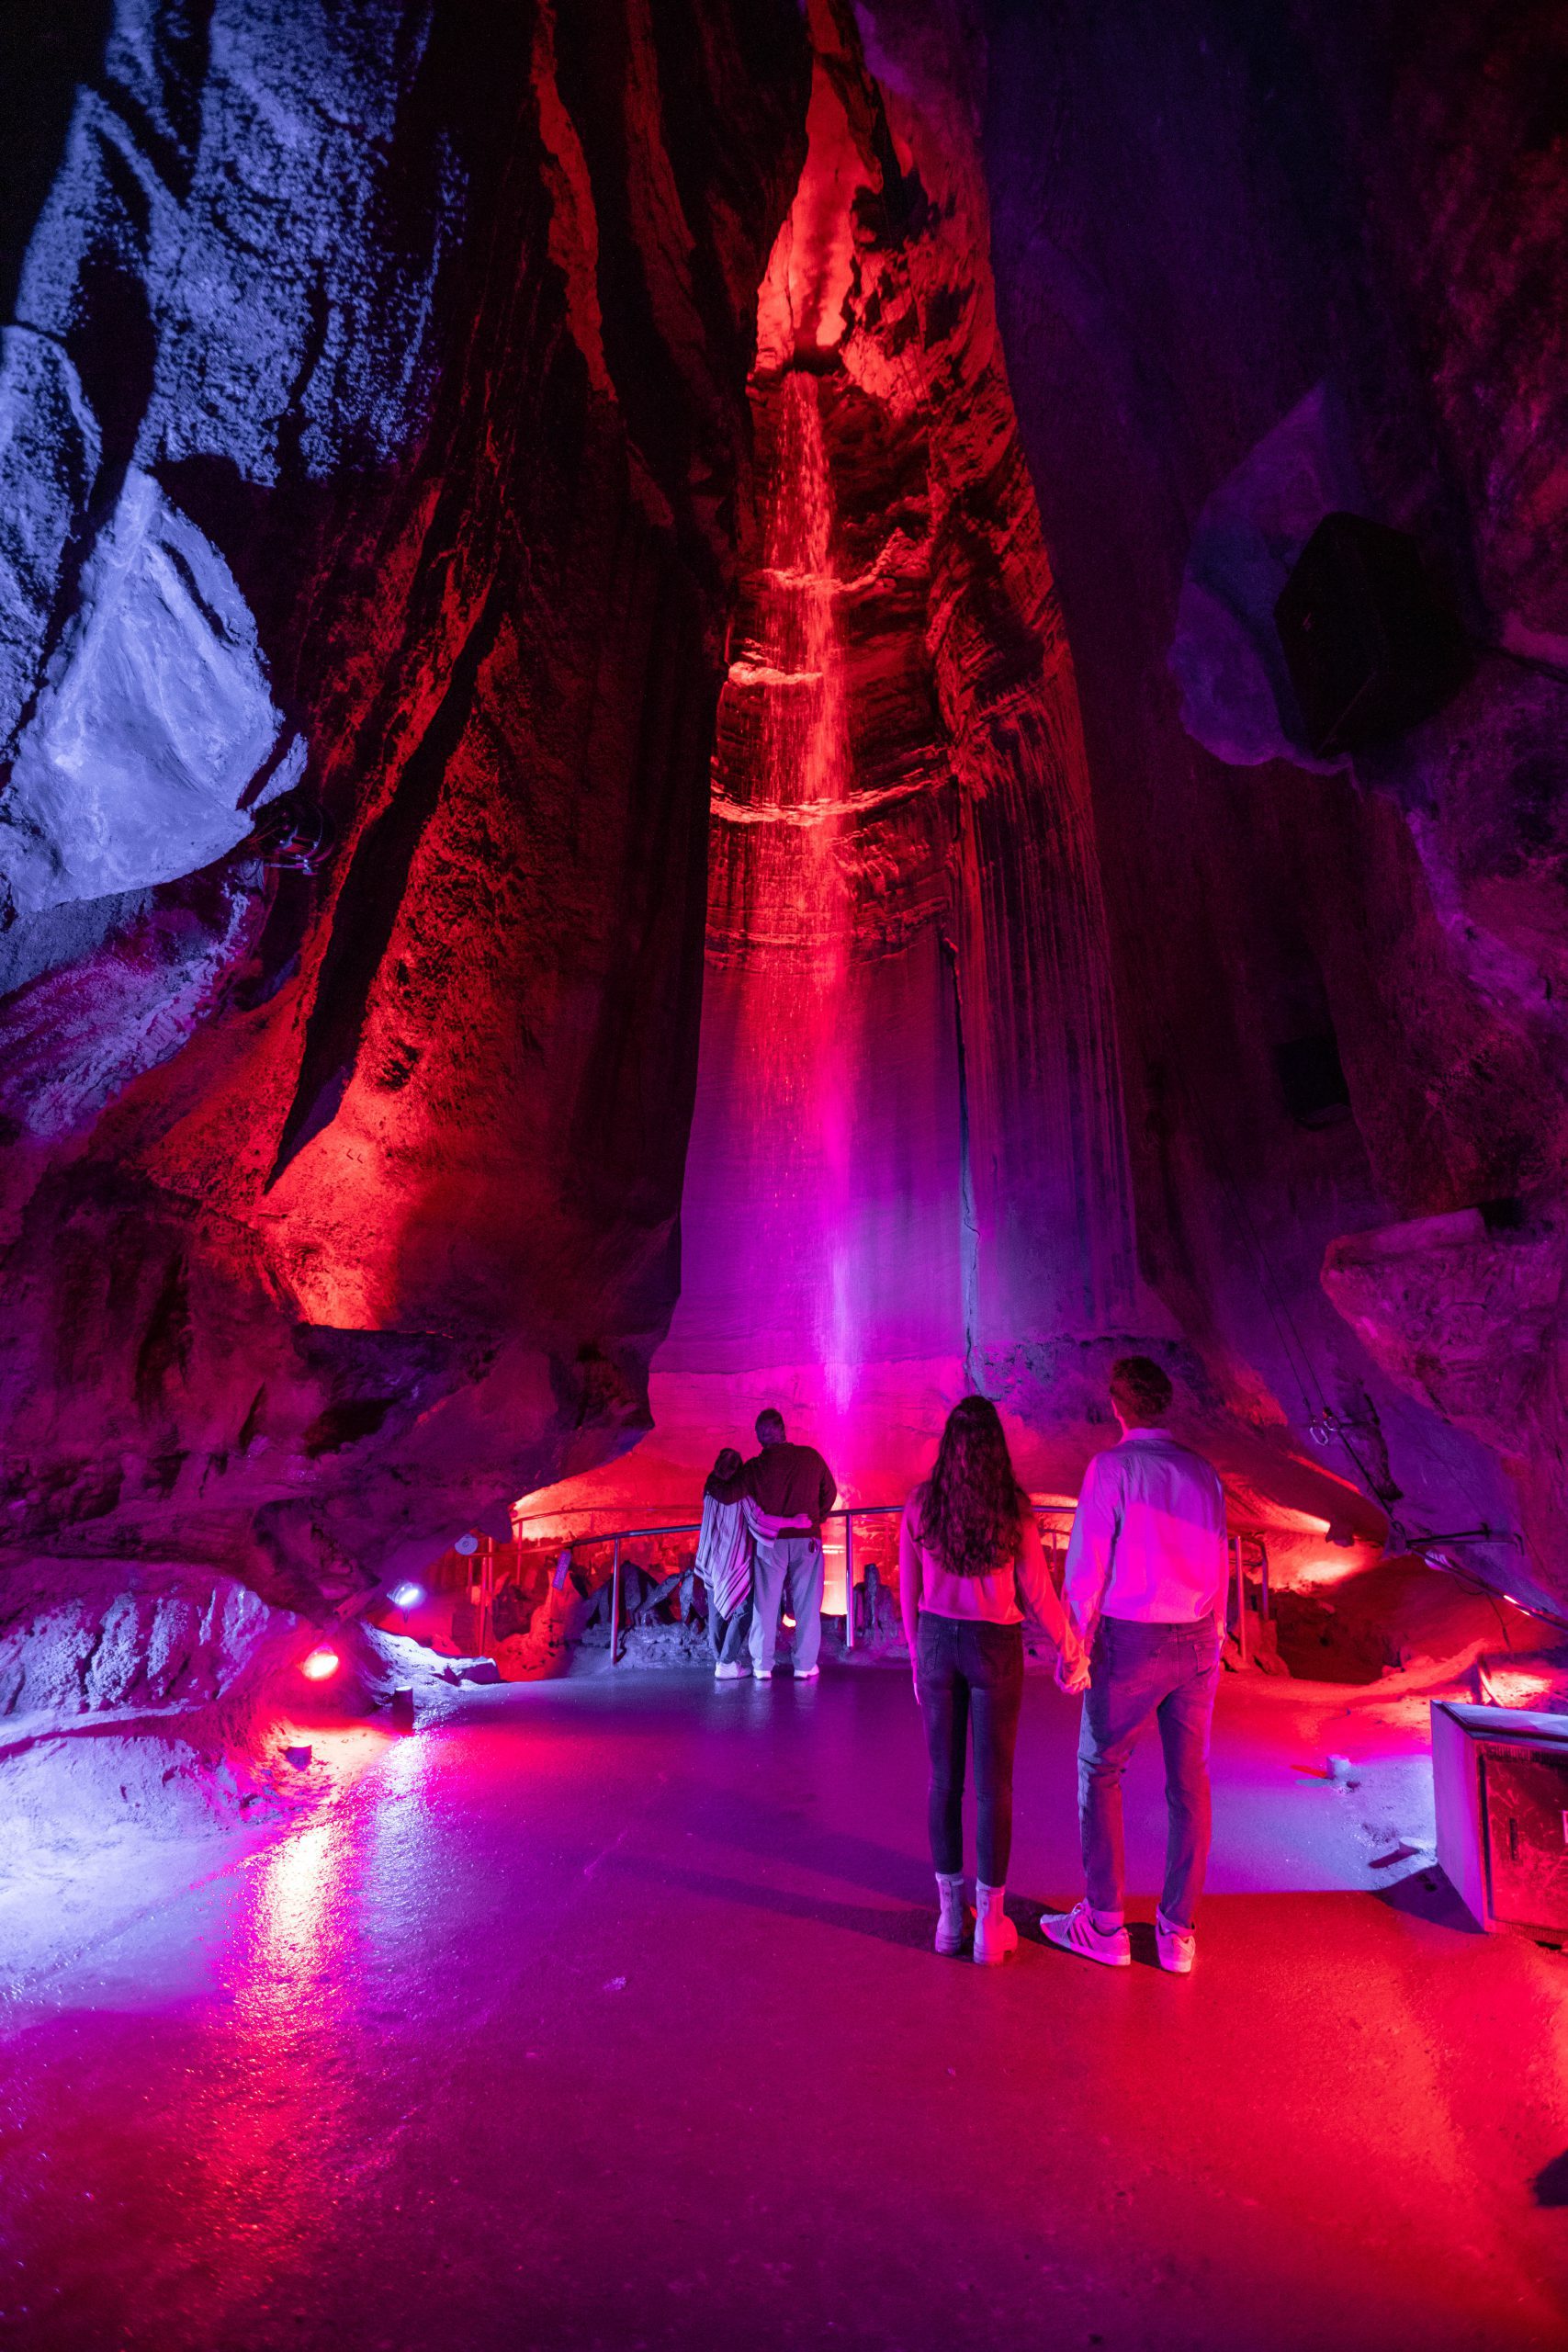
x: 971, y: 1570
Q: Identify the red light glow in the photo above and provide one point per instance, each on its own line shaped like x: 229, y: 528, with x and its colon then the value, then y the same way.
x: 320, y: 1665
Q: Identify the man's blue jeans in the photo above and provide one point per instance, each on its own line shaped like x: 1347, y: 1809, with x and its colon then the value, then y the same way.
x: 1169, y: 1672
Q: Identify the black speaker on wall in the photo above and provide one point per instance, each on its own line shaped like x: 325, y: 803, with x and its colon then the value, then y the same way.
x: 1371, y: 645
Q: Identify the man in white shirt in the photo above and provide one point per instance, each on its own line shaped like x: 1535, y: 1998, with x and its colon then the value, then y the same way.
x: 1146, y: 1593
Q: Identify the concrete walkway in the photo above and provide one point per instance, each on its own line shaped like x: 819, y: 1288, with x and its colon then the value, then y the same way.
x: 602, y: 2015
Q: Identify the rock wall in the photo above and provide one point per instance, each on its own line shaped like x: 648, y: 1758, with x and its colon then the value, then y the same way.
x: 1250, y: 264
x: 371, y: 421
x: 436, y: 446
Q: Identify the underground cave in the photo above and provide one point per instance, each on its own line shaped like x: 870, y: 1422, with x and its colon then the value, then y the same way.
x: 817, y: 706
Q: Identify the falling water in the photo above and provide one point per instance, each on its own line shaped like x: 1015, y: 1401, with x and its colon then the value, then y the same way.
x: 807, y: 1072
x: 820, y: 1217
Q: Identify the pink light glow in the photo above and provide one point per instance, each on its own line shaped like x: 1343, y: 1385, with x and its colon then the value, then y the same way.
x: 818, y: 1171
x: 321, y: 1666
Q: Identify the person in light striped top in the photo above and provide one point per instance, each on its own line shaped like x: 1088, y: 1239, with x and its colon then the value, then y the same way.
x: 724, y: 1552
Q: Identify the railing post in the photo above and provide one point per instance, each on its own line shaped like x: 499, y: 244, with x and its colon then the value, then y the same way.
x: 849, y: 1580
x: 615, y: 1601
x: 1240, y: 1602
x: 1263, y: 1607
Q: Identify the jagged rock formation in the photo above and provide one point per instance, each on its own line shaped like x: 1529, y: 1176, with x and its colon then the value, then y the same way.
x: 370, y: 426
x: 1204, y: 218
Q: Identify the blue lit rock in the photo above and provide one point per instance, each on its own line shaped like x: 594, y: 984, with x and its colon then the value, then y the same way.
x: 154, y: 738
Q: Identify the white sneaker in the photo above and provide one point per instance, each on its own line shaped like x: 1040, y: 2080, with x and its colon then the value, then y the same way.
x: 763, y: 1673
x: 1074, y: 1930
x: 807, y: 1673
x: 1177, y: 1947
x: 732, y: 1672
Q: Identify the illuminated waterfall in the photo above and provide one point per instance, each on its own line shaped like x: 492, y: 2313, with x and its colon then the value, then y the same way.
x: 801, y: 1012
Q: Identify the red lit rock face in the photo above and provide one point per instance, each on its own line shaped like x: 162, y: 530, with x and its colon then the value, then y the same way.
x: 343, y: 1202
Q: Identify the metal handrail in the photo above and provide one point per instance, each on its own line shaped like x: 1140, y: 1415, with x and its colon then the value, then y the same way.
x: 617, y: 1536
x: 849, y: 1512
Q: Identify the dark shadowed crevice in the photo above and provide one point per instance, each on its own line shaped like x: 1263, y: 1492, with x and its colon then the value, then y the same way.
x: 368, y: 902
x: 45, y: 54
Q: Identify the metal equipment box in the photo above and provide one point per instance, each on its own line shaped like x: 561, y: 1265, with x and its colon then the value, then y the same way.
x: 1500, y: 1776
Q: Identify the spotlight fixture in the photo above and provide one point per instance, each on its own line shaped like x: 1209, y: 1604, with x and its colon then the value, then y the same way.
x: 320, y: 1665
x: 406, y: 1596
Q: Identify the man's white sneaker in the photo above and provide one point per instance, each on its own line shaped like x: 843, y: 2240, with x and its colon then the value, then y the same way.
x: 807, y: 1673
x: 763, y: 1673
x: 732, y: 1671
x: 1177, y: 1947
x: 1074, y: 1930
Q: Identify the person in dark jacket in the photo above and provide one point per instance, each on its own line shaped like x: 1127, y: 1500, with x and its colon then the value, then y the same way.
x: 789, y: 1491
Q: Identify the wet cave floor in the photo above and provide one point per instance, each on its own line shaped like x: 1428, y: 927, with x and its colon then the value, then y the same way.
x: 603, y: 2013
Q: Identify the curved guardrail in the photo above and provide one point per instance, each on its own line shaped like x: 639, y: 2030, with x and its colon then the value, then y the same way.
x: 849, y: 1513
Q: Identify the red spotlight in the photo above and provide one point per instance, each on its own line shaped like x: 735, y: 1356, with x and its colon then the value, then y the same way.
x: 320, y: 1665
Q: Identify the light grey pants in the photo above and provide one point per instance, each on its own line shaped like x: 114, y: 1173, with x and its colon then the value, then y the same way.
x: 788, y: 1568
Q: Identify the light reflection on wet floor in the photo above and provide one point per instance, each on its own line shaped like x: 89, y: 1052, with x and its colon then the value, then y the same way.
x: 590, y: 2014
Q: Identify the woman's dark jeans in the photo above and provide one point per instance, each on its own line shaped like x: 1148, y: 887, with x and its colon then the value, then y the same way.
x: 970, y: 1677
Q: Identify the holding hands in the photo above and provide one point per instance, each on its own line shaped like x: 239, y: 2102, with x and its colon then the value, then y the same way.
x: 1072, y: 1666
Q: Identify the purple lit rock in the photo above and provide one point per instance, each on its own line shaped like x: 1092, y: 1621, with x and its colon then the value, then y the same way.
x: 1238, y: 700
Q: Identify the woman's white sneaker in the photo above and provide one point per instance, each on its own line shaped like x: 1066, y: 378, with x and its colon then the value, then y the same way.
x: 953, y: 1925
x: 994, y: 1936
x: 1075, y: 1930
x: 1176, y: 1946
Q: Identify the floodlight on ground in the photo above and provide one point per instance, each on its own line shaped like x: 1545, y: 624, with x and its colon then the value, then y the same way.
x: 320, y: 1665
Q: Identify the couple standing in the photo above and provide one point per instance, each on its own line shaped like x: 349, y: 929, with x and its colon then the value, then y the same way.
x: 1139, y: 1635
x: 761, y: 1549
